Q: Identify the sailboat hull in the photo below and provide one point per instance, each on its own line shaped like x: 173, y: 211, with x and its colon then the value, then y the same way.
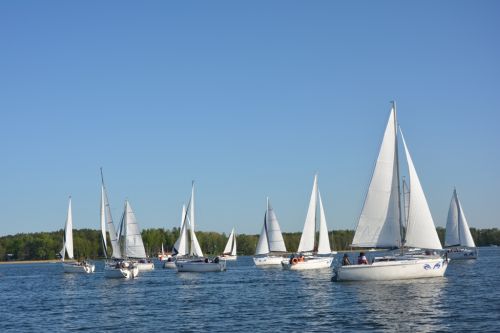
x: 170, y: 263
x: 145, y: 266
x: 200, y: 266
x: 462, y: 253
x: 117, y: 271
x: 267, y: 261
x: 308, y: 263
x: 78, y: 268
x: 393, y: 270
x: 228, y: 257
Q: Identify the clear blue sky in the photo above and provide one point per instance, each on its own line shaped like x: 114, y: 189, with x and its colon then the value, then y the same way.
x: 249, y: 99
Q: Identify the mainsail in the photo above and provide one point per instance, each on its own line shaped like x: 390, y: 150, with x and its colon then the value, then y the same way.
x: 379, y: 224
x: 131, y: 239
x: 107, y: 220
x: 181, y: 246
x: 457, y: 229
x: 307, y: 239
x: 68, y: 235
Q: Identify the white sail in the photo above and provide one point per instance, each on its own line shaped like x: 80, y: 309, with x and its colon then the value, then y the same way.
x: 457, y: 229
x: 68, y: 235
x: 103, y: 222
x: 113, y: 236
x: 274, y: 236
x: 263, y: 244
x: 324, y: 241
x: 181, y: 246
x: 307, y: 239
x: 229, y: 245
x: 133, y: 245
x: 195, y: 249
x: 421, y: 231
x: 406, y: 201
x: 378, y: 224
x: 233, y: 250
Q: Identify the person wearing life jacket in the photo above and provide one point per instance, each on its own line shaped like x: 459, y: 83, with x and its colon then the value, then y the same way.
x: 362, y: 259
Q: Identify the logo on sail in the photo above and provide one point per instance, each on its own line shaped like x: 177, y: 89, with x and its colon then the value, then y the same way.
x: 427, y: 267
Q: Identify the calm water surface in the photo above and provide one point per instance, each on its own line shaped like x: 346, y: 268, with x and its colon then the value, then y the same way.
x: 41, y: 298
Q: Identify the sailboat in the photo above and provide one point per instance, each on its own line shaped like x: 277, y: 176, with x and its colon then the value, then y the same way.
x: 271, y: 246
x: 163, y: 256
x: 72, y: 267
x: 118, y: 266
x: 458, y: 239
x: 382, y: 223
x: 306, y: 258
x: 196, y: 262
x: 230, y: 249
x: 179, y: 250
x: 131, y: 240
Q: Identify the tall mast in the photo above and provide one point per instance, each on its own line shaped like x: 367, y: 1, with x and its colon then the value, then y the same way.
x: 402, y: 237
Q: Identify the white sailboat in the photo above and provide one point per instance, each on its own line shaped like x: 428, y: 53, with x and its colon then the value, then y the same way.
x: 131, y: 240
x: 118, y: 266
x: 196, y: 261
x: 230, y: 249
x: 458, y: 239
x: 163, y: 256
x: 72, y: 267
x: 306, y: 258
x: 271, y: 246
x: 381, y: 222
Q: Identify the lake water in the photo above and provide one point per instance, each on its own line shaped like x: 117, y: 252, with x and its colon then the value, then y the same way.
x: 41, y: 298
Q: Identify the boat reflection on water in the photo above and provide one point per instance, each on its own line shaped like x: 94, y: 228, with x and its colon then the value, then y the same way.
x: 403, y: 306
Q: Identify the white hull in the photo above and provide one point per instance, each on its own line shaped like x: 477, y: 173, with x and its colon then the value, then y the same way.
x: 169, y: 264
x: 200, y: 266
x: 268, y: 261
x: 78, y: 268
x: 228, y: 257
x: 308, y: 263
x: 402, y: 269
x: 115, y: 271
x: 462, y: 254
x: 145, y: 267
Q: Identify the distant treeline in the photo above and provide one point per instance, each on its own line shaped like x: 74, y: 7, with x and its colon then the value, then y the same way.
x: 88, y: 244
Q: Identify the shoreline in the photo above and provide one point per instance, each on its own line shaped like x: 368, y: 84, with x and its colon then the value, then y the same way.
x: 48, y: 261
